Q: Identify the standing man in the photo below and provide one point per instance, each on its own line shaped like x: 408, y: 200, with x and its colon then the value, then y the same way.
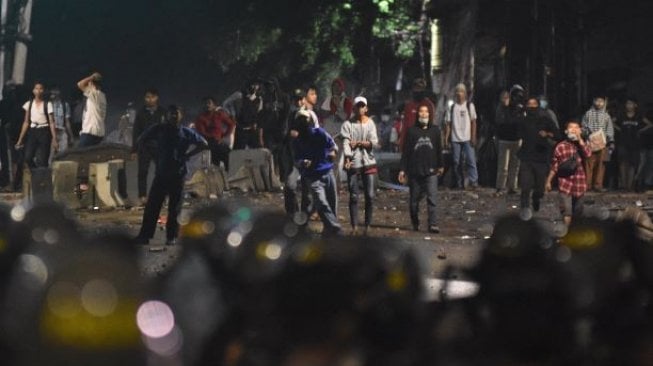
x: 460, y: 131
x: 173, y: 142
x: 273, y: 119
x: 507, y: 119
x: 629, y: 124
x: 421, y: 165
x: 151, y: 114
x: 61, y: 112
x: 595, y: 121
x: 248, y: 123
x: 95, y: 111
x: 315, y: 152
x: 359, y: 140
x: 287, y: 170
x: 538, y: 134
x: 214, y: 124
x: 572, y: 184
x: 38, y: 128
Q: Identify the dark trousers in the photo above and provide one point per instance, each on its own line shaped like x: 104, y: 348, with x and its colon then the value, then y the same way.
x: 246, y: 139
x: 146, y: 155
x: 162, y: 186
x: 219, y: 153
x: 353, y: 180
x: 532, y: 179
x: 291, y: 182
x: 420, y: 187
x: 37, y: 148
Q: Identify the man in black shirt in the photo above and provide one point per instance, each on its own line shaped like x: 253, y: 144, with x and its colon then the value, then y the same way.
x: 151, y: 114
x: 539, y: 135
x: 421, y: 164
x: 628, y: 127
x: 173, y: 142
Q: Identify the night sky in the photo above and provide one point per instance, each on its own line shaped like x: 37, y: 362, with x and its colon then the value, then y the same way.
x: 134, y: 44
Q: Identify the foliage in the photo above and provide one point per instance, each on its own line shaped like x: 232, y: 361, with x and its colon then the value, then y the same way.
x: 323, y: 37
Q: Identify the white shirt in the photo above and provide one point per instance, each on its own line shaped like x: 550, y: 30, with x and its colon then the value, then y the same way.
x: 37, y: 114
x: 461, y: 122
x: 95, y: 112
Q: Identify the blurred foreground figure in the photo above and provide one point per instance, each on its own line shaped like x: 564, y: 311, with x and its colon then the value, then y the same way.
x: 580, y: 301
x: 251, y: 289
x: 69, y: 299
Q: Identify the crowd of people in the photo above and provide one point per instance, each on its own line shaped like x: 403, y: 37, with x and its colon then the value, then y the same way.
x: 313, y: 144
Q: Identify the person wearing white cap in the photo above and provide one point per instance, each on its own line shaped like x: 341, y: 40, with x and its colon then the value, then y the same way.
x: 460, y: 132
x: 359, y: 140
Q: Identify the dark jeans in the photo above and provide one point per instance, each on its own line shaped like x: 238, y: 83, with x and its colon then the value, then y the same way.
x: 162, y: 186
x: 291, y: 182
x: 219, y: 153
x: 325, y: 198
x: 246, y: 139
x: 146, y: 155
x: 37, y: 148
x: 532, y: 179
x: 420, y: 187
x: 353, y: 180
x: 86, y: 140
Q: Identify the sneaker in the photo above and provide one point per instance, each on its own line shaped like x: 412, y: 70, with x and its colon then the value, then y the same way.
x: 434, y: 229
x: 366, y: 231
x: 499, y: 193
x: 170, y: 242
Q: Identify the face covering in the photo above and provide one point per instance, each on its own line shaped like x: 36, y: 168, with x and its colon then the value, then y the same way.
x: 423, y: 121
x: 572, y: 137
x: 531, y: 111
x: 544, y: 104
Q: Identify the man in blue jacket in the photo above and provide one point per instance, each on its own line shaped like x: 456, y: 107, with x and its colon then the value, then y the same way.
x: 315, y: 152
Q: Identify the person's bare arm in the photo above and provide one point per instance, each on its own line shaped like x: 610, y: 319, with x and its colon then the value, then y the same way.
x: 447, y: 134
x: 83, y: 84
x: 53, y: 131
x: 69, y: 130
x: 23, y: 130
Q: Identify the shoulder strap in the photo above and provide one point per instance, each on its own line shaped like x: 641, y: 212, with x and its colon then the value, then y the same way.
x: 29, y: 110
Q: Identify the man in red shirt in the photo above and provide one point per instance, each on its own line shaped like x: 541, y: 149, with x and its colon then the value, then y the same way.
x: 573, y: 186
x: 410, y: 109
x: 215, y: 125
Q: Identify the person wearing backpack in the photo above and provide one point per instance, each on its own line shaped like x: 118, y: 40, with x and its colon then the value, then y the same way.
x: 568, y: 165
x: 38, y: 129
x: 460, y: 134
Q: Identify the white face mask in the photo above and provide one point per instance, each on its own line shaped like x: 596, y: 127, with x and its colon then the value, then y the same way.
x: 571, y: 136
x: 423, y: 121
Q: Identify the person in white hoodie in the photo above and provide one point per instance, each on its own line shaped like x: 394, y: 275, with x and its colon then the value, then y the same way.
x: 359, y: 141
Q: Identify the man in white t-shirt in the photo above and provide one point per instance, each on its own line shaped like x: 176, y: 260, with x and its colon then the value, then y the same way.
x: 38, y: 130
x: 95, y: 111
x: 460, y: 133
